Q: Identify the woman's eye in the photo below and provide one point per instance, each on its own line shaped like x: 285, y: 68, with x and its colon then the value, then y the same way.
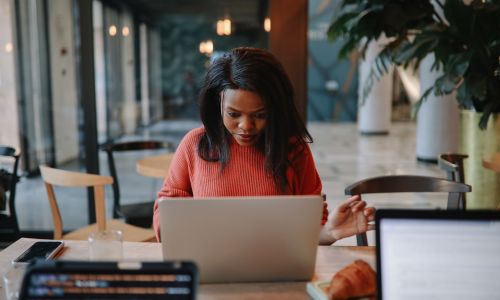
x: 232, y: 114
x: 261, y: 115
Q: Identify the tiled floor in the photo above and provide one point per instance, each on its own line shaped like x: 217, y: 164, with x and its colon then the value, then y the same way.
x: 342, y: 156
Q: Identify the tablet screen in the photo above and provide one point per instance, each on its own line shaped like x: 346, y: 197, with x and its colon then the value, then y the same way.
x: 99, y: 283
x: 440, y: 259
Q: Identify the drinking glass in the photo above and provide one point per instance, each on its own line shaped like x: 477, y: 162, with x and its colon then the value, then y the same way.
x: 12, y: 280
x: 106, y: 245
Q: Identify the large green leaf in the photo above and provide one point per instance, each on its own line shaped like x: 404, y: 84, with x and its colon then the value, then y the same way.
x: 446, y: 84
x: 457, y: 64
x: 419, y: 48
x: 464, y: 97
x: 418, y: 104
x: 341, y: 25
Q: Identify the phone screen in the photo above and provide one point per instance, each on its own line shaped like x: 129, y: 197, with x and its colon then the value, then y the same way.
x: 46, y: 250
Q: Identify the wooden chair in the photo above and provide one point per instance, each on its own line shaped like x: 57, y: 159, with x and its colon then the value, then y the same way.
x: 407, y: 184
x: 139, y: 214
x: 55, y: 177
x: 9, y: 228
x: 453, y: 165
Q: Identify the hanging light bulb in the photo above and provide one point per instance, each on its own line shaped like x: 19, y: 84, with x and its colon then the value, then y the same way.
x: 112, y: 30
x: 220, y: 27
x: 8, y: 47
x: 209, y: 47
x: 224, y: 26
x: 125, y: 31
x: 227, y: 26
x: 206, y: 47
x: 267, y: 24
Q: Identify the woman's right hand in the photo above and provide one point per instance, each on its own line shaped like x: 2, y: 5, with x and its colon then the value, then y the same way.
x: 349, y: 218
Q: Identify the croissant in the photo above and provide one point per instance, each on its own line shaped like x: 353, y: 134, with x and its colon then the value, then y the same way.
x: 355, y: 280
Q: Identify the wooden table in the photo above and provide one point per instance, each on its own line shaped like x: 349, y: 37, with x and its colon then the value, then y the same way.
x: 492, y: 162
x: 154, y: 166
x: 329, y: 260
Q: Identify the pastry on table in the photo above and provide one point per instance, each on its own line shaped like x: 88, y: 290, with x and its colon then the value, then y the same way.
x: 355, y: 280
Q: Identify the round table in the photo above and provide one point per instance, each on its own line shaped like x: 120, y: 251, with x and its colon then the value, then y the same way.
x: 154, y: 166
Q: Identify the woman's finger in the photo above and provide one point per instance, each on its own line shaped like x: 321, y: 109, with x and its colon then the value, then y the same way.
x: 371, y: 218
x: 369, y: 211
x: 358, y: 206
x: 348, y: 203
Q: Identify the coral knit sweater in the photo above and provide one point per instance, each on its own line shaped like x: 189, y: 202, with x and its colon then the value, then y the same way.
x: 245, y: 175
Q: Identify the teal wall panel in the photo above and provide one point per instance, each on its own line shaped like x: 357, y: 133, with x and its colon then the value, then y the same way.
x: 332, y: 83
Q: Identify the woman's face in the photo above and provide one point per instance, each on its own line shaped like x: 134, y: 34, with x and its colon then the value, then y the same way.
x: 244, y: 115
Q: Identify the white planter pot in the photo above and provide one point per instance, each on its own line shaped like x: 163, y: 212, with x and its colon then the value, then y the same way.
x: 374, y: 114
x: 437, y: 119
x: 129, y: 117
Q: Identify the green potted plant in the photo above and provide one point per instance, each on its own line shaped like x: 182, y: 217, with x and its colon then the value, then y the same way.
x: 464, y: 39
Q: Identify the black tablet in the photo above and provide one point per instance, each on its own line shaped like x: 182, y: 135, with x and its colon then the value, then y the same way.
x: 109, y: 280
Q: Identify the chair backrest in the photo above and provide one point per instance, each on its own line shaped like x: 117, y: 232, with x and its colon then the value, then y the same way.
x: 408, y: 184
x: 9, y: 227
x: 55, y: 177
x: 453, y: 165
x: 109, y: 148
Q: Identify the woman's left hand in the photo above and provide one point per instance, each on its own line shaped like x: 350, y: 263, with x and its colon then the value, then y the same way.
x: 349, y: 218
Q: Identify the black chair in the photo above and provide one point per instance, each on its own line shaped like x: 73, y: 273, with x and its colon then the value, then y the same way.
x: 139, y: 214
x: 9, y: 228
x: 407, y: 184
x: 453, y: 165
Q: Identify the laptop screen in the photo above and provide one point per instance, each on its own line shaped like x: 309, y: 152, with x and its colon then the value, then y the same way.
x: 438, y: 255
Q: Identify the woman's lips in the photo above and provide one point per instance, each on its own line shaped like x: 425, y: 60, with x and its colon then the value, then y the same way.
x: 246, y: 137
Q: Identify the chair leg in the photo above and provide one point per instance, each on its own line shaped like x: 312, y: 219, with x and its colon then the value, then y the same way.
x: 361, y: 239
x: 463, y: 205
x: 454, y: 201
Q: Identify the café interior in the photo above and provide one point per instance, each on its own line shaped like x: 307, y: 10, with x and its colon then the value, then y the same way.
x: 96, y: 95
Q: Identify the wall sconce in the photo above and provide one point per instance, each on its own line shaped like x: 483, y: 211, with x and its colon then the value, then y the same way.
x: 9, y: 47
x: 224, y: 26
x: 267, y: 24
x: 125, y: 31
x: 112, y: 30
x: 207, y: 47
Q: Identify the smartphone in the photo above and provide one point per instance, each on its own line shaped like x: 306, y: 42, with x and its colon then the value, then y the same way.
x: 44, y: 250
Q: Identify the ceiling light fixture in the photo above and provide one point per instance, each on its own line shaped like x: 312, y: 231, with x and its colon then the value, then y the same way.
x: 125, y: 31
x: 112, y: 30
x: 207, y: 47
x: 9, y: 47
x: 267, y: 24
x: 224, y: 26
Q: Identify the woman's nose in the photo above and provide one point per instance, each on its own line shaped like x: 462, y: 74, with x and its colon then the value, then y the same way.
x: 246, y: 124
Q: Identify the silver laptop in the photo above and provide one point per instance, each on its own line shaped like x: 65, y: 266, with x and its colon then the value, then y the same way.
x: 438, y: 254
x: 243, y: 239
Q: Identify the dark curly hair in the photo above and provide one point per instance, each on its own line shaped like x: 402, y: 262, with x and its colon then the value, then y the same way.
x: 257, y: 71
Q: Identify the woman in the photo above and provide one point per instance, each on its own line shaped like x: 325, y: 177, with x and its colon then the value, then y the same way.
x: 253, y: 142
